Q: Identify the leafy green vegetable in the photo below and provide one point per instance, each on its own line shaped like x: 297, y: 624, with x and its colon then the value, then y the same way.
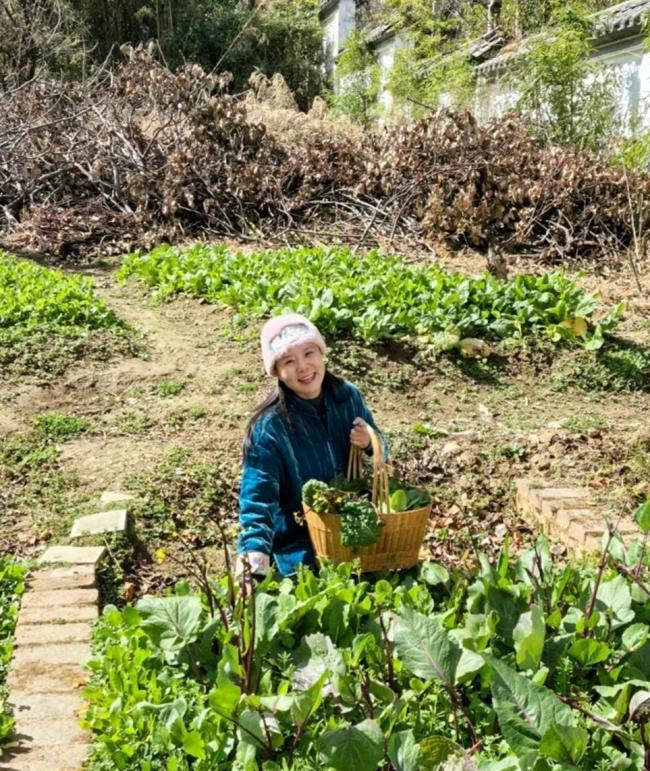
x: 12, y: 585
x: 336, y: 671
x: 360, y: 525
x: 375, y: 296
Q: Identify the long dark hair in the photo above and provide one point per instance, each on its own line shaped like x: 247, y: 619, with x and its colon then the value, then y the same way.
x: 278, y: 395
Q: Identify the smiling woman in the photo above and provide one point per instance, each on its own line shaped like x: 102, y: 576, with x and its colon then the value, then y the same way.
x: 302, y: 430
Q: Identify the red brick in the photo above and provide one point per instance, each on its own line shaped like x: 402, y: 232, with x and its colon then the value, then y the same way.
x: 45, y: 634
x: 539, y: 495
x: 60, y: 597
x: 57, y: 615
x: 63, y: 653
x: 40, y: 677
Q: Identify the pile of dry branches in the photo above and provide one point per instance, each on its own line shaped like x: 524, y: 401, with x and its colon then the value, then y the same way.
x: 139, y: 154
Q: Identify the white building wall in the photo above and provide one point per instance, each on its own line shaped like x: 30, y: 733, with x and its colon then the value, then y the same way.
x: 337, y: 27
x: 385, y: 53
x: 628, y: 60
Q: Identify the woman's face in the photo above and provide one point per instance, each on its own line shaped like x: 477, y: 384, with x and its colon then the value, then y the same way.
x: 302, y: 369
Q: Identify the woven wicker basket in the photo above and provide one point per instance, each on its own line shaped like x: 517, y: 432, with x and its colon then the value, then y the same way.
x: 401, y: 537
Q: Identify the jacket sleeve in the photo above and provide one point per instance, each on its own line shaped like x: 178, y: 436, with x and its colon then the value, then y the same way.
x: 259, y: 499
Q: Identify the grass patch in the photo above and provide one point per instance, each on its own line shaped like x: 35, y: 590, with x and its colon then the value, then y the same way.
x: 34, y: 487
x: 170, y: 388
x: 180, y: 496
x: 619, y: 366
x: 12, y: 585
x: 57, y: 426
x: 49, y: 319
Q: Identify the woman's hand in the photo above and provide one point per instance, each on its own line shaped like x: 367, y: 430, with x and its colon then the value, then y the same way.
x: 360, y: 436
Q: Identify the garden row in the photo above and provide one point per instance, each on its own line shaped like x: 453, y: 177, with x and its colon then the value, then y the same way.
x: 377, y: 297
x: 48, y: 318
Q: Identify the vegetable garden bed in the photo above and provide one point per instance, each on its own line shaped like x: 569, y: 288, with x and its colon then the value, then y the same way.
x: 522, y: 664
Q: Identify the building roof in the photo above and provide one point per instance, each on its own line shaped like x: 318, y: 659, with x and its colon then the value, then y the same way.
x: 380, y: 33
x: 622, y: 17
x: 621, y: 21
x: 327, y: 6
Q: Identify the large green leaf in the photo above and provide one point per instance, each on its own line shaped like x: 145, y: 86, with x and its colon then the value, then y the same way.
x: 404, y: 751
x: 436, y: 750
x: 564, y: 743
x: 357, y: 748
x: 589, y: 652
x: 529, y: 636
x: 526, y: 711
x: 642, y: 516
x: 317, y: 655
x: 425, y: 648
x: 614, y: 597
x: 171, y: 622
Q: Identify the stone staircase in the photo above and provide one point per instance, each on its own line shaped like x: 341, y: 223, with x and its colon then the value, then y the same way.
x: 52, y: 641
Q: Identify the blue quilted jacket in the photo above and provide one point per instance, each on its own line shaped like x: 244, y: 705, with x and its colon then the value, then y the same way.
x: 281, y: 458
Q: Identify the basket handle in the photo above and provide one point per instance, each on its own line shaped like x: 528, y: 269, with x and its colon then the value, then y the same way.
x: 380, y: 490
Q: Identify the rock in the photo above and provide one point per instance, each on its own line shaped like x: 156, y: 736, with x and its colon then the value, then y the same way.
x: 540, y: 462
x: 500, y: 531
x: 450, y: 449
x: 548, y: 436
x: 484, y: 412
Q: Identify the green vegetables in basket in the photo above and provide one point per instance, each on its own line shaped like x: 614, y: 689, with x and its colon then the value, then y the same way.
x: 404, y: 498
x: 360, y: 525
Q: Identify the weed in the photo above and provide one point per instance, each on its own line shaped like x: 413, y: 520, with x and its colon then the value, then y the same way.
x: 57, y: 426
x: 36, y: 488
x: 584, y: 422
x: 170, y: 388
x: 618, y: 367
x: 197, y: 412
x: 246, y: 388
x: 179, y: 495
x: 133, y: 422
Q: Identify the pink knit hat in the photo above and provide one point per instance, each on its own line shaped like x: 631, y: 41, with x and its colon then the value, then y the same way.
x: 281, y: 333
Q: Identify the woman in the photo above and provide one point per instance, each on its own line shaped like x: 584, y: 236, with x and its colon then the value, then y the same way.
x: 301, y: 431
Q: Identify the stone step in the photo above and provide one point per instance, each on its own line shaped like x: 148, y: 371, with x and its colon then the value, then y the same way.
x: 69, y: 758
x: 60, y: 598
x: 45, y: 634
x: 40, y: 677
x: 114, y: 521
x: 54, y: 654
x: 74, y: 555
x: 77, y: 577
x: 58, y: 615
